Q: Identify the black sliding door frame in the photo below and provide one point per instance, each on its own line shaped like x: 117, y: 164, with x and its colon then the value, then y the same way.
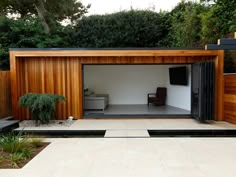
x: 202, y: 91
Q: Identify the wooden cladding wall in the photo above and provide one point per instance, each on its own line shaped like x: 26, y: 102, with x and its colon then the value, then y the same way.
x: 145, y: 60
x: 45, y: 72
x: 5, y: 94
x: 51, y: 75
x: 230, y: 98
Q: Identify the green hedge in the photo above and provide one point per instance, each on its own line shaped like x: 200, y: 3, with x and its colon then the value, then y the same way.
x: 134, y: 28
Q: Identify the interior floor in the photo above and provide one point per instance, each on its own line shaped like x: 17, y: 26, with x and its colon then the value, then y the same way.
x: 140, y: 110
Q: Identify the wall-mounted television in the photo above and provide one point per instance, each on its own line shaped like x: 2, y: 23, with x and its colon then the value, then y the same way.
x: 178, y: 75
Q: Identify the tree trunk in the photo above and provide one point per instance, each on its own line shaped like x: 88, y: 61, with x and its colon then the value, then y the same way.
x: 42, y: 15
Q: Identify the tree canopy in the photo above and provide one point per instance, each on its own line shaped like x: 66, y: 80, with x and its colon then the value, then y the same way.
x: 186, y: 24
x: 41, y: 24
x: 132, y: 28
x: 48, y: 11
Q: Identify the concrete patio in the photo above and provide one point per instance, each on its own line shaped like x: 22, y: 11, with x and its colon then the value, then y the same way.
x: 137, y: 124
x: 129, y: 157
x: 133, y: 128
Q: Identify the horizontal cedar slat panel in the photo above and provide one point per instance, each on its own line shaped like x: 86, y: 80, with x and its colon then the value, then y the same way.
x: 230, y: 83
x: 230, y: 98
x: 230, y: 118
x: 230, y: 91
x: 230, y: 112
x: 229, y: 106
x: 145, y: 60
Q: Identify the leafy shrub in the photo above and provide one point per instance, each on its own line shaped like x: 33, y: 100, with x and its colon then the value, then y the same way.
x: 14, y: 143
x: 41, y: 106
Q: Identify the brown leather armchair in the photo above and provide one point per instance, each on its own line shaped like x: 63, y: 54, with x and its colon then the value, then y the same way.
x: 158, y: 98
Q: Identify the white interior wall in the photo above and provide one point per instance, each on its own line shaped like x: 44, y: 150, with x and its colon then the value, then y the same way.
x: 125, y: 84
x: 129, y: 84
x: 178, y: 95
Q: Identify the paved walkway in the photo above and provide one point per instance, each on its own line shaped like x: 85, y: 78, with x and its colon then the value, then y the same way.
x: 137, y: 124
x: 133, y: 157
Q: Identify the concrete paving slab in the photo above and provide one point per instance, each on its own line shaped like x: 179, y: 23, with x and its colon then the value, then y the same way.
x: 129, y: 157
x: 127, y: 134
x: 133, y: 124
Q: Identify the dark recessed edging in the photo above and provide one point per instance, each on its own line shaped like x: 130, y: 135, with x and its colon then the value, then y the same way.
x: 193, y: 133
x: 8, y: 124
x: 125, y: 116
x: 66, y: 133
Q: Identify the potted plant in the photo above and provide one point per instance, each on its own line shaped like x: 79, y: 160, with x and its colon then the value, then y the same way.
x: 41, y: 106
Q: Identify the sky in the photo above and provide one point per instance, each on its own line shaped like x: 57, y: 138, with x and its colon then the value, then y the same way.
x: 109, y: 6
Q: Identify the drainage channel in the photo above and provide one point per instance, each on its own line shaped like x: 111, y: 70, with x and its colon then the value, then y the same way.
x: 150, y: 133
x: 65, y: 133
x: 193, y: 133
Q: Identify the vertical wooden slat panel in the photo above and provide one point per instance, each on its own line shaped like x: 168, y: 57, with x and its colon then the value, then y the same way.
x: 68, y: 88
x: 219, y: 86
x: 14, y: 85
x: 22, y: 85
x: 49, y: 80
x: 63, y: 86
x: 75, y: 86
x: 55, y: 75
x: 5, y: 95
x: 58, y: 85
x: 80, y: 98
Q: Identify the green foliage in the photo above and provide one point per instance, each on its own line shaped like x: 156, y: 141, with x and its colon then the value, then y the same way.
x: 49, y: 12
x: 186, y: 24
x: 41, y: 106
x: 35, y: 141
x: 16, y: 148
x: 14, y: 143
x: 59, y: 10
x: 17, y: 157
x: 220, y: 19
x: 29, y: 33
x: 195, y: 24
x: 134, y: 28
x: 38, y: 25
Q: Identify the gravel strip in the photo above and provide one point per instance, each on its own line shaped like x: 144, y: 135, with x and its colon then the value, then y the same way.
x: 52, y: 123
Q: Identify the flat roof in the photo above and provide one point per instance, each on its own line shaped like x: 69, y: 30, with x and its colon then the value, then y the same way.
x: 109, y: 52
x: 127, y: 48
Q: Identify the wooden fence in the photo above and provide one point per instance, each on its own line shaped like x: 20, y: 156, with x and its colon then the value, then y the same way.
x: 5, y: 94
x: 230, y: 98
